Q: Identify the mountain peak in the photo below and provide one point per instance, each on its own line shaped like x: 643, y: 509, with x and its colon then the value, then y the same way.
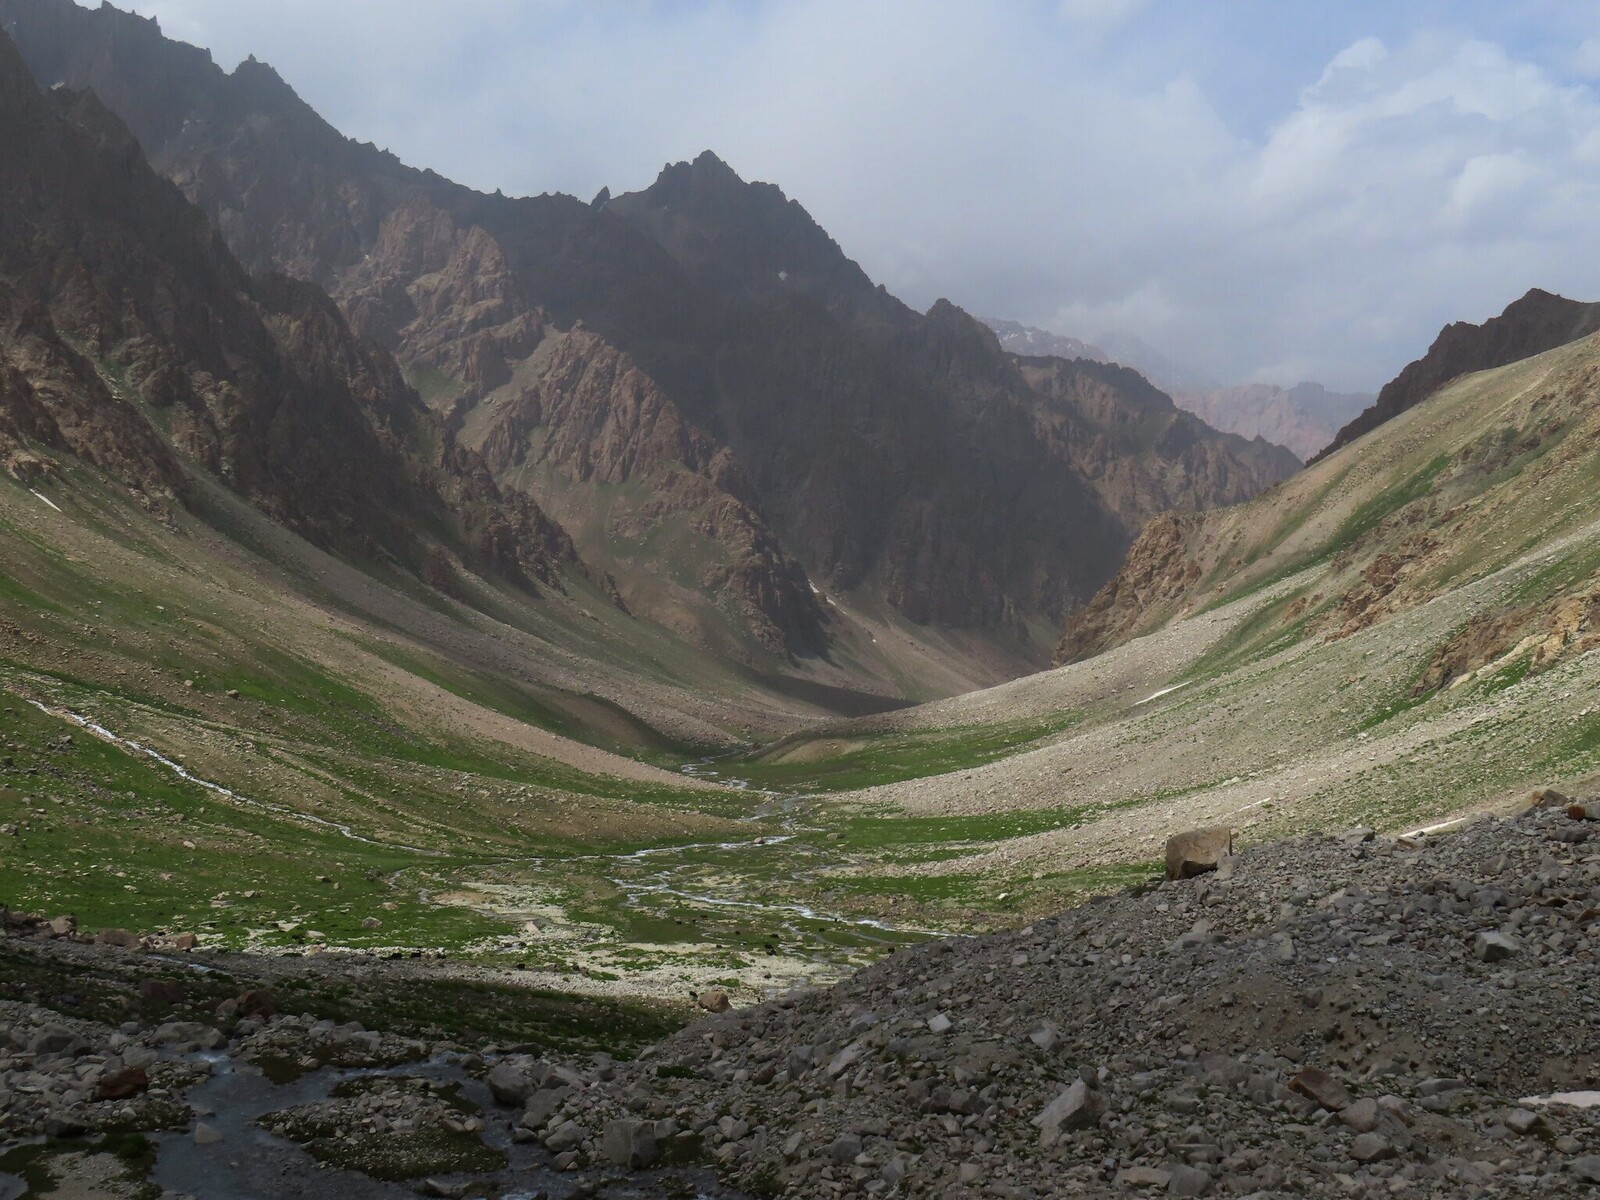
x: 1535, y: 322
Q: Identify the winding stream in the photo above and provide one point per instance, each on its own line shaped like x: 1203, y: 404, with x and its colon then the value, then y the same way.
x: 178, y: 769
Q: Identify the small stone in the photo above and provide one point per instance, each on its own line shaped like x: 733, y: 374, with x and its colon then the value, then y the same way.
x: 1076, y: 1108
x: 1188, y: 1181
x: 117, y: 937
x: 1361, y: 1116
x: 1587, y: 1168
x: 566, y: 1136
x: 843, y: 1149
x: 206, y: 1135
x: 630, y: 1143
x: 1522, y: 1121
x: 1494, y: 946
x: 940, y: 1024
x: 1371, y: 1148
x: 122, y: 1085
x: 714, y: 1001
x: 1318, y: 1085
x: 1047, y: 1037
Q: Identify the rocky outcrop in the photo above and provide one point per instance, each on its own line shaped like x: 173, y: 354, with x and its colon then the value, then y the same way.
x: 1521, y: 638
x: 1160, y: 570
x: 1539, y: 321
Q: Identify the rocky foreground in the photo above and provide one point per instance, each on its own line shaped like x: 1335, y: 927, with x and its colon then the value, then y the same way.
x: 1333, y: 1016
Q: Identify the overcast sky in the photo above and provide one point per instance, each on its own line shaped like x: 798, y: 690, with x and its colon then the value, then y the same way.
x: 1263, y: 190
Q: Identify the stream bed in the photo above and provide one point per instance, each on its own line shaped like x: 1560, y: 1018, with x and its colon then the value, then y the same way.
x: 249, y: 1163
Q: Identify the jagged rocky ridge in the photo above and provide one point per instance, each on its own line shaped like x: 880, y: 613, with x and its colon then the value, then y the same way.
x: 1537, y: 322
x: 895, y: 455
x: 1144, y: 453
x: 131, y: 329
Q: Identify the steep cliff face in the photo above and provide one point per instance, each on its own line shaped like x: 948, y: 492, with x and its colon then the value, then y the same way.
x: 1158, y: 572
x: 124, y: 307
x: 894, y: 451
x: 582, y: 425
x: 1539, y: 321
x: 567, y: 417
x: 1144, y: 454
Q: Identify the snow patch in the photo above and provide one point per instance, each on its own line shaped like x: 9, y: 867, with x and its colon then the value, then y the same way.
x: 1163, y: 692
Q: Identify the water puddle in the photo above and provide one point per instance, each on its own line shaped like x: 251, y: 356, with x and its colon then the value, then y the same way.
x: 248, y: 1163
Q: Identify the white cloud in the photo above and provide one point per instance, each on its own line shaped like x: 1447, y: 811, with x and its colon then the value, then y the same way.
x: 1586, y: 59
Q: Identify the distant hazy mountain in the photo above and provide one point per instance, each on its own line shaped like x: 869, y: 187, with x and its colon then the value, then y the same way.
x: 1304, y: 418
x: 1170, y: 376
x: 1125, y: 349
x: 1030, y: 342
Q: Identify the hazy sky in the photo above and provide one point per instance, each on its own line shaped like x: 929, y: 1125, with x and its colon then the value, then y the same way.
x: 1263, y: 189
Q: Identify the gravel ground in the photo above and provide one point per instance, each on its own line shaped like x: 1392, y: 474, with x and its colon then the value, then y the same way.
x: 1331, y: 1016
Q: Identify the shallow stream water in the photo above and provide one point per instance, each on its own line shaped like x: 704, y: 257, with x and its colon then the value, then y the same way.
x: 251, y: 1164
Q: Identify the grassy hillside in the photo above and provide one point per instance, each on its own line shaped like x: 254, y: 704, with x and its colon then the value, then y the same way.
x: 1405, y: 634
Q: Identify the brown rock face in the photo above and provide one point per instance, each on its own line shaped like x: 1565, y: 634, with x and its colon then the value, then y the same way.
x: 1538, y: 322
x: 260, y: 382
x: 1142, y: 453
x: 579, y: 415
x: 1159, y: 567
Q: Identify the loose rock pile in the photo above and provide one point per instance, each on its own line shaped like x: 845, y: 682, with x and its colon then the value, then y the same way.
x: 60, y: 1077
x: 1330, y: 1016
x: 1335, y: 1016
x: 391, y: 1127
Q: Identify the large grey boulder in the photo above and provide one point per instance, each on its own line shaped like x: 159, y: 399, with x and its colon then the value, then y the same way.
x: 1197, y: 851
